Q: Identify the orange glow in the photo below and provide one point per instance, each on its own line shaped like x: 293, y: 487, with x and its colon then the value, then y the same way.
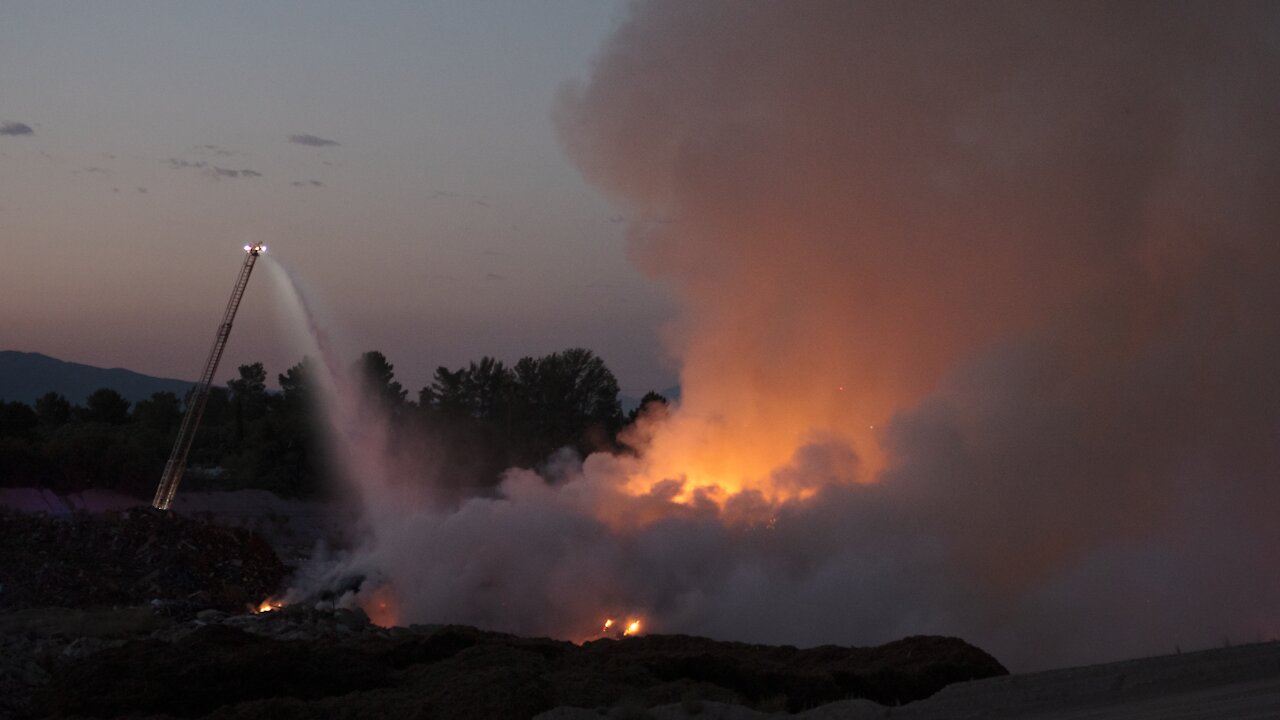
x: 618, y: 629
x: 692, y: 457
x: 382, y: 607
x: 738, y: 429
x: 268, y: 605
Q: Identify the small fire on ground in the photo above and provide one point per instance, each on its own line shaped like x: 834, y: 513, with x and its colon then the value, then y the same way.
x: 268, y: 605
x: 628, y: 627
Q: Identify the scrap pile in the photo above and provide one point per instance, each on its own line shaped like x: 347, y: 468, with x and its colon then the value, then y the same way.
x: 129, y: 558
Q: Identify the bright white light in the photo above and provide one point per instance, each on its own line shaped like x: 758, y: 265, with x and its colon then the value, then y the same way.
x: 247, y: 248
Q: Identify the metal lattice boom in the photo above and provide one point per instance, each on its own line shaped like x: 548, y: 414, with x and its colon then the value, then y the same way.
x: 177, y: 463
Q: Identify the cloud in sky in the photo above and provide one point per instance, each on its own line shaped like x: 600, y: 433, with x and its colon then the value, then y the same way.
x: 16, y: 128
x: 475, y: 200
x: 306, y: 183
x: 312, y: 140
x: 212, y: 171
x: 216, y: 150
x: 218, y: 172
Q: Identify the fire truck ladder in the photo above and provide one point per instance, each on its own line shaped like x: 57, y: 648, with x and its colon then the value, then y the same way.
x: 177, y: 463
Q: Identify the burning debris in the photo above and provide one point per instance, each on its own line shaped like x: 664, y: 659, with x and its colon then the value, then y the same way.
x: 618, y: 630
x: 268, y: 605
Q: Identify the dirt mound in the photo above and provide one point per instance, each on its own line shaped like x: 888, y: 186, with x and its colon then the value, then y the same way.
x: 794, y: 679
x: 210, y: 668
x: 130, y: 558
x: 301, y: 662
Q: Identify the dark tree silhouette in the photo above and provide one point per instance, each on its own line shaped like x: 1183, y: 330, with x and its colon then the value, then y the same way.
x: 248, y: 397
x: 106, y: 406
x: 378, y: 377
x: 490, y: 388
x: 447, y: 393
x: 17, y: 420
x: 161, y: 412
x: 483, y: 390
x: 643, y: 407
x: 250, y: 389
x: 295, y: 385
x: 53, y: 410
x: 565, y: 398
x: 474, y: 422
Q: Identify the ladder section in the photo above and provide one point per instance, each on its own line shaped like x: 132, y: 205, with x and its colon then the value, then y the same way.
x: 177, y: 463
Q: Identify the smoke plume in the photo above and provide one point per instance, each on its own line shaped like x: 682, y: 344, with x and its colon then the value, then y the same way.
x: 978, y: 336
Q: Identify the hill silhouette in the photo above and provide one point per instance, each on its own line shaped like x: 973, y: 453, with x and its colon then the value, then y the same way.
x: 25, y: 376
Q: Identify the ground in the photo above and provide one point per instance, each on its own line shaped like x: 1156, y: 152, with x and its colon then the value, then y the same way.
x: 139, y: 613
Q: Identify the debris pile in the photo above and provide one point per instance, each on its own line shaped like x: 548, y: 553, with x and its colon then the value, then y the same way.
x: 143, y: 612
x: 795, y: 679
x: 180, y: 564
x: 308, y: 661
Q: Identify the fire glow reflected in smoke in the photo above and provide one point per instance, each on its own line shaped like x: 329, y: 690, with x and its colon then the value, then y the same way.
x: 977, y: 337
x: 381, y: 606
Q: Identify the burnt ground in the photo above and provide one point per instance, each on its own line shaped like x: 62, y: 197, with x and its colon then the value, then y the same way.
x: 153, y: 623
x: 302, y: 662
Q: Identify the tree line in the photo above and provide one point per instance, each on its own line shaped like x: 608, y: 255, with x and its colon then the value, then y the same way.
x: 462, y: 430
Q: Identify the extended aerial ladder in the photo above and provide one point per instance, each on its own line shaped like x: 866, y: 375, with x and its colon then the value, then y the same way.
x: 177, y: 463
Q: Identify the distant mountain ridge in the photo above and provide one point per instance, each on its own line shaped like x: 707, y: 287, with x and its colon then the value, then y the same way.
x: 26, y: 376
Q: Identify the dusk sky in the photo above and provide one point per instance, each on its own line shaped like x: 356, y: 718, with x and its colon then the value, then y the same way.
x: 400, y: 158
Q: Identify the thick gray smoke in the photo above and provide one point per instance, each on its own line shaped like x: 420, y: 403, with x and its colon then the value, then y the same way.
x: 1041, y: 241
x: 979, y: 336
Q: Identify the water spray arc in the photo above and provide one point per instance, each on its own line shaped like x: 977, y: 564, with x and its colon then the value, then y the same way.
x: 177, y: 463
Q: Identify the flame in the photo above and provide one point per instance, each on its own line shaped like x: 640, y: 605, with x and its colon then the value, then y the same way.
x: 616, y: 629
x: 268, y: 605
x: 707, y: 450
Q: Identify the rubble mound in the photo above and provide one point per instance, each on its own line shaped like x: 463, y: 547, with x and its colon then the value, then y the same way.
x: 214, y: 666
x: 795, y: 679
x: 309, y: 662
x: 130, y: 558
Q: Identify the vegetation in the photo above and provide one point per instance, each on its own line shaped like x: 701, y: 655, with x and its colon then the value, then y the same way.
x: 462, y: 431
